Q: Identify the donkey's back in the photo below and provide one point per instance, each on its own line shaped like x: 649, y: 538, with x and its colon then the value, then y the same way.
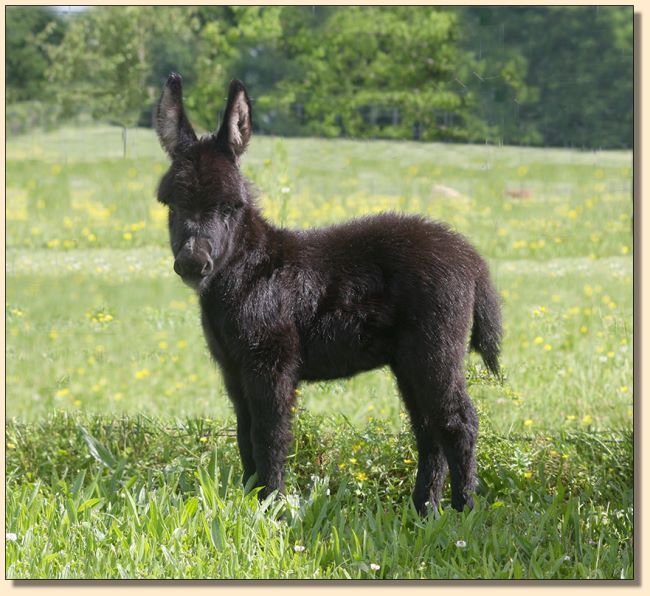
x: 366, y: 285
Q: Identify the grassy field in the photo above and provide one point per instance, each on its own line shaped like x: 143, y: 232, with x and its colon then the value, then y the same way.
x: 121, y: 459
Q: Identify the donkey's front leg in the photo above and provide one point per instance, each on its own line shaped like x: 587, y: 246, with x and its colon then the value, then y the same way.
x: 270, y: 404
x: 244, y: 440
x: 235, y: 392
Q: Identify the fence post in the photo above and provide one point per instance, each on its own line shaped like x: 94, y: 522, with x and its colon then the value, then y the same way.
x: 124, y: 142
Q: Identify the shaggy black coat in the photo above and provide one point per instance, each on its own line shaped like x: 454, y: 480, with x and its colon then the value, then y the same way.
x: 280, y: 306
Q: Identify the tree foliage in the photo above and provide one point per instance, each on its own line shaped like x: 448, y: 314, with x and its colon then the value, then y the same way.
x: 234, y: 42
x: 26, y: 61
x: 369, y: 71
x: 574, y: 65
x: 106, y: 61
x: 559, y: 75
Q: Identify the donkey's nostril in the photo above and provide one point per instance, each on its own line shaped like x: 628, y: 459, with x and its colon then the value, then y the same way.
x: 178, y: 268
x: 190, y: 267
x: 207, y: 268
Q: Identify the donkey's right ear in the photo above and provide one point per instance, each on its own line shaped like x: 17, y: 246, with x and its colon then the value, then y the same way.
x: 236, y: 128
x: 174, y: 129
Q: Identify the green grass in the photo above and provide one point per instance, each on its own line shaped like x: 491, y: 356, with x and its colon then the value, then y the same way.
x: 101, y: 336
x: 138, y: 497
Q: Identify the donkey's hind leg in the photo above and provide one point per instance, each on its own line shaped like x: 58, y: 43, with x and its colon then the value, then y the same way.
x: 432, y: 381
x: 458, y: 430
x: 432, y: 465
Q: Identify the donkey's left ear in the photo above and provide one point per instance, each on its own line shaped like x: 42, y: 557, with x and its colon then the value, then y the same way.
x: 174, y: 129
x: 236, y: 129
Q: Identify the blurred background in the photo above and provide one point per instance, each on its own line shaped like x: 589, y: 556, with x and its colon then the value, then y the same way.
x: 526, y: 75
x: 514, y: 125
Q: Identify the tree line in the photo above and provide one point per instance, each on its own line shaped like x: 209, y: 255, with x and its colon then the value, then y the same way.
x: 533, y: 75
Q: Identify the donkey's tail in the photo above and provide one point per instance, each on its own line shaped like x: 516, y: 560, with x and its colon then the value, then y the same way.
x: 486, y: 329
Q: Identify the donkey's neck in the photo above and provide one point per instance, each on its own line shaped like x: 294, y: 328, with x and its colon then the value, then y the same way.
x: 256, y: 234
x: 255, y: 250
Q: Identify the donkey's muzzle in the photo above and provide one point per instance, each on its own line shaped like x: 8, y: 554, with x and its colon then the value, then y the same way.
x: 194, y: 262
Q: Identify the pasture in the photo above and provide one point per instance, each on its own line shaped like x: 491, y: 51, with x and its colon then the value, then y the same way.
x: 121, y: 456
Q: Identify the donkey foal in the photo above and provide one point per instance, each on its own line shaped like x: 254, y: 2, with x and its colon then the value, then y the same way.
x: 279, y: 306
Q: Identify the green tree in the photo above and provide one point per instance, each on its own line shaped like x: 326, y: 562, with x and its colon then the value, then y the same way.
x: 389, y: 71
x: 110, y: 59
x: 529, y: 75
x: 575, y: 71
x: 236, y: 42
x: 582, y: 66
x: 379, y: 71
x: 496, y: 70
x: 26, y: 61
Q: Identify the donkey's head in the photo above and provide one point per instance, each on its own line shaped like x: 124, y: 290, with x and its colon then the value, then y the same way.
x: 203, y: 188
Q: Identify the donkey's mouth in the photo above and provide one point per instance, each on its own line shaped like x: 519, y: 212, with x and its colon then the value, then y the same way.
x: 198, y: 283
x: 193, y: 281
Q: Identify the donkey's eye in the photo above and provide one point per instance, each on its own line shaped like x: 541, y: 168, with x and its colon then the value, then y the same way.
x: 228, y: 207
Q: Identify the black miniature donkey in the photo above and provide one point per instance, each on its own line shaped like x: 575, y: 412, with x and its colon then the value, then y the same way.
x: 280, y: 306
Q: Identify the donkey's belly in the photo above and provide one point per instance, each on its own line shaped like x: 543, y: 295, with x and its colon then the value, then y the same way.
x: 323, y: 360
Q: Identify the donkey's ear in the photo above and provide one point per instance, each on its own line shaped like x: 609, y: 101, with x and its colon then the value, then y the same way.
x: 236, y: 129
x: 173, y: 128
